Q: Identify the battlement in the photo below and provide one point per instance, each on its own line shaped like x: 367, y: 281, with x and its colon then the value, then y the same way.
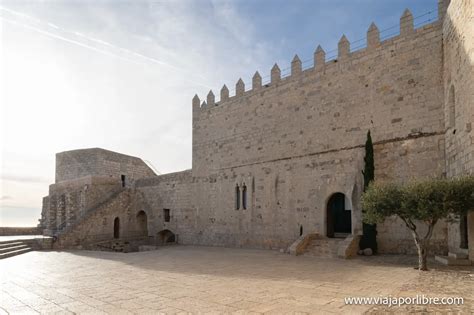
x: 323, y: 61
x: 390, y: 86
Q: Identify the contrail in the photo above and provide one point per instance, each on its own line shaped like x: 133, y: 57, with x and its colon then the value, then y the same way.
x: 92, y: 39
x: 68, y: 40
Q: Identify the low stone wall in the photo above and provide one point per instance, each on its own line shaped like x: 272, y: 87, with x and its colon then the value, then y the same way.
x: 393, y: 237
x: 8, y: 231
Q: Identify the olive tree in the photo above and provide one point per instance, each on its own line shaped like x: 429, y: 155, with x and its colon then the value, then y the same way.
x: 419, y: 203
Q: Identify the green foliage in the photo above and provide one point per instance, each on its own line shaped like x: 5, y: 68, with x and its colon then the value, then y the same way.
x: 428, y: 200
x: 369, y: 231
x: 369, y: 166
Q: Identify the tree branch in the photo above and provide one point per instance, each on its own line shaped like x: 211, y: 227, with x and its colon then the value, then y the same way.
x: 429, y: 233
x: 410, y: 225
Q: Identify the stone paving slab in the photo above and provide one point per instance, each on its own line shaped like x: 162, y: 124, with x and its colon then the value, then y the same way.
x: 187, y: 279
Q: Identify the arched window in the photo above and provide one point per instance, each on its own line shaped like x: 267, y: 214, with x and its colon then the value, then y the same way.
x: 244, y: 196
x: 452, y: 108
x: 237, y: 197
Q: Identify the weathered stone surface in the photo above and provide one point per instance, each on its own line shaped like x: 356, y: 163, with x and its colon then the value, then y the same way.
x: 458, y: 86
x: 71, y: 165
x: 188, y: 279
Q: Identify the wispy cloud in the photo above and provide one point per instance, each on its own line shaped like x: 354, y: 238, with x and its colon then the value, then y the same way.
x: 25, y: 179
x: 110, y: 49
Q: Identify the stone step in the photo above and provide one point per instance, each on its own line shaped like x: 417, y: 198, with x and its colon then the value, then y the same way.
x: 323, y: 247
x: 9, y: 244
x: 15, y: 252
x: 450, y: 261
x: 458, y: 255
x: 12, y: 248
x: 320, y: 245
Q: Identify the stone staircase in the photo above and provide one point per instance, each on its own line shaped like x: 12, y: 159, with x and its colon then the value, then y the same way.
x: 321, y: 246
x: 68, y: 226
x: 15, y: 247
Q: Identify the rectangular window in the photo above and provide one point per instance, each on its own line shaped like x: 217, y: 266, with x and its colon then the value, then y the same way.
x: 166, y: 215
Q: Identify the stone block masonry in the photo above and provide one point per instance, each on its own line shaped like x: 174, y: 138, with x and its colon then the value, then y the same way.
x: 79, y: 163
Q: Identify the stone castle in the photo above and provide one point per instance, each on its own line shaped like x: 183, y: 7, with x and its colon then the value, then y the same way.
x: 277, y: 162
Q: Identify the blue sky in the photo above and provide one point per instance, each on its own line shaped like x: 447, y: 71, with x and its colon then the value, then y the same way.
x: 121, y: 74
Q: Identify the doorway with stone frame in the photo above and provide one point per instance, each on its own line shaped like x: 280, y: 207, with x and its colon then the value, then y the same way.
x: 338, y: 218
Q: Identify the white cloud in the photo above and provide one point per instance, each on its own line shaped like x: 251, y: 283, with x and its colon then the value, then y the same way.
x: 57, y: 95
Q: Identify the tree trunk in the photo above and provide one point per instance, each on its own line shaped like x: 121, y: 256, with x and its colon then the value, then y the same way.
x: 421, y: 243
x: 422, y: 254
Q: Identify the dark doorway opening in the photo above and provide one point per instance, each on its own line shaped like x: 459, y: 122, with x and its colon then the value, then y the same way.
x: 301, y: 230
x: 166, y: 215
x: 339, y: 221
x: 166, y: 237
x: 464, y: 232
x: 142, y: 223
x: 117, y: 228
x: 122, y: 177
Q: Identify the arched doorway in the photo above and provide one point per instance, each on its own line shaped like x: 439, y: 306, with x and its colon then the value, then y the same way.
x: 338, y: 218
x: 142, y: 223
x: 166, y: 237
x: 117, y: 228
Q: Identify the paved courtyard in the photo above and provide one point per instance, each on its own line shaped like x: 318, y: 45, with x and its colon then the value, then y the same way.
x: 184, y: 279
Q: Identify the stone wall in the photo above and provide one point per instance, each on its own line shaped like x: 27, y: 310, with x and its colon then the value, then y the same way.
x: 299, y: 139
x: 99, y: 225
x: 174, y: 192
x: 391, y: 89
x: 458, y: 37
x: 283, y: 197
x: 99, y: 162
x: 7, y: 231
x: 69, y: 200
